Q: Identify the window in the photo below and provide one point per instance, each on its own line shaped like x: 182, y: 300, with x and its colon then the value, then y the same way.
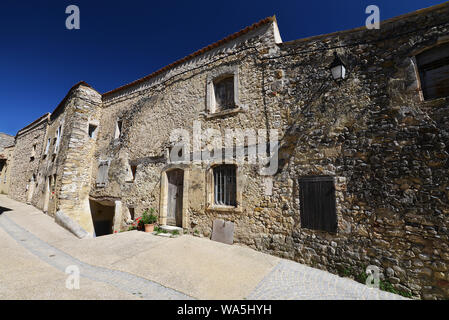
x: 33, y: 152
x: 222, y: 98
x: 318, y: 208
x: 118, y: 129
x: 47, y: 147
x: 92, y: 131
x: 225, y: 185
x: 133, y: 171
x: 224, y: 93
x: 57, y: 139
x: 433, y: 66
x: 131, y: 212
x: 102, y: 176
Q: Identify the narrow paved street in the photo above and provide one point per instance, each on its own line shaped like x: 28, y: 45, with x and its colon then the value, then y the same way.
x: 35, y: 253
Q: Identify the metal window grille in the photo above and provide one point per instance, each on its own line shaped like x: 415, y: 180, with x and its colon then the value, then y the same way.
x: 225, y: 185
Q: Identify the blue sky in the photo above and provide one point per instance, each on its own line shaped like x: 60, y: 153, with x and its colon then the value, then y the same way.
x: 121, y: 41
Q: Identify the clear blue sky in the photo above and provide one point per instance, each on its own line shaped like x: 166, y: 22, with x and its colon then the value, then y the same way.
x: 121, y: 41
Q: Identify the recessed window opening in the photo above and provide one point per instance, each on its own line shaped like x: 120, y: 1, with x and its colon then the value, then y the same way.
x: 92, y: 131
x: 225, y: 185
x: 433, y: 67
x: 224, y: 93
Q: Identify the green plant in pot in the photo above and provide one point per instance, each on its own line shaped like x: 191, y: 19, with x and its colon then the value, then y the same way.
x: 148, y: 220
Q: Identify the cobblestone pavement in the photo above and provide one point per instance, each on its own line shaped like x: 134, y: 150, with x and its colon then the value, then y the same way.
x: 293, y: 281
x: 137, y: 286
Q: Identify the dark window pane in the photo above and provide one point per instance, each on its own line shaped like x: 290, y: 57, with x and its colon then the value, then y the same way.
x: 224, y: 93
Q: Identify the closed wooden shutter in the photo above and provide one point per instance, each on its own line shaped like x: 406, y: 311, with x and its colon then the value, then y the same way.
x: 102, y: 176
x: 433, y: 66
x: 318, y: 208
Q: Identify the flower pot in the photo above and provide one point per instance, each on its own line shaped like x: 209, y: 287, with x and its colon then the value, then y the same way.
x: 149, y: 227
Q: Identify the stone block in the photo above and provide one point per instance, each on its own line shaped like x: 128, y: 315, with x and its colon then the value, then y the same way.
x: 223, y: 231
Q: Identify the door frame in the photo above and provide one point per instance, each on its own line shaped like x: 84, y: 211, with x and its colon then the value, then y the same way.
x: 163, y: 206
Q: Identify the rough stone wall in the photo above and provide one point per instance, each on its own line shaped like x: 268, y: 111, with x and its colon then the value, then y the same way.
x: 77, y: 149
x: 23, y: 166
x: 174, y: 102
x: 5, y: 173
x: 386, y: 148
x: 5, y: 141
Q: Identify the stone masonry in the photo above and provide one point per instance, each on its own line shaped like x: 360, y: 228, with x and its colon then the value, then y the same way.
x: 384, y: 145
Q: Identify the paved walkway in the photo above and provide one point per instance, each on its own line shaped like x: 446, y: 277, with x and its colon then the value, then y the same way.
x: 35, y: 253
x: 140, y: 287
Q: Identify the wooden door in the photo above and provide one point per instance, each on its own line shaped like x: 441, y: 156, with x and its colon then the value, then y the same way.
x: 174, y: 198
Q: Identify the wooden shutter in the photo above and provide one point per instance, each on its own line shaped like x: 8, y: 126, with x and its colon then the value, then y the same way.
x: 433, y: 66
x: 318, y: 208
x: 102, y: 176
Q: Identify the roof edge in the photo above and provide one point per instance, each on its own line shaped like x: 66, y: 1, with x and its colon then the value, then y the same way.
x: 195, y: 54
x: 46, y: 116
x: 361, y: 28
x: 80, y: 83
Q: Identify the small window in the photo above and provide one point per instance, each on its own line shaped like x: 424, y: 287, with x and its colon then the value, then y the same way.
x: 224, y: 93
x: 118, y: 129
x: 47, y: 148
x: 102, y: 175
x: 133, y: 171
x: 131, y: 213
x: 33, y: 152
x: 92, y: 131
x: 433, y: 66
x: 57, y: 139
x: 318, y: 208
x: 225, y: 185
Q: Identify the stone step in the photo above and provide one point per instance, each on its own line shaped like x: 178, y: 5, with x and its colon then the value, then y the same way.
x: 171, y: 229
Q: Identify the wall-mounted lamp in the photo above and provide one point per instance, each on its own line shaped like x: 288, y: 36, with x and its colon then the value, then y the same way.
x: 338, y: 68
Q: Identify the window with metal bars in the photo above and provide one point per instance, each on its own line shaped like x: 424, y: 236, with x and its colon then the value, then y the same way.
x: 433, y: 66
x: 225, y: 185
x: 318, y: 206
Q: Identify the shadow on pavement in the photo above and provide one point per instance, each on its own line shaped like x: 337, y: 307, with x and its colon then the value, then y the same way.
x: 3, y: 209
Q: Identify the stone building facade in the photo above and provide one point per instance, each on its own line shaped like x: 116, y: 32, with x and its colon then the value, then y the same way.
x: 6, y: 149
x: 361, y: 163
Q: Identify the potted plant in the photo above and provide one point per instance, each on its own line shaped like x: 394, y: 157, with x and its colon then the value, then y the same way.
x: 148, y: 220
